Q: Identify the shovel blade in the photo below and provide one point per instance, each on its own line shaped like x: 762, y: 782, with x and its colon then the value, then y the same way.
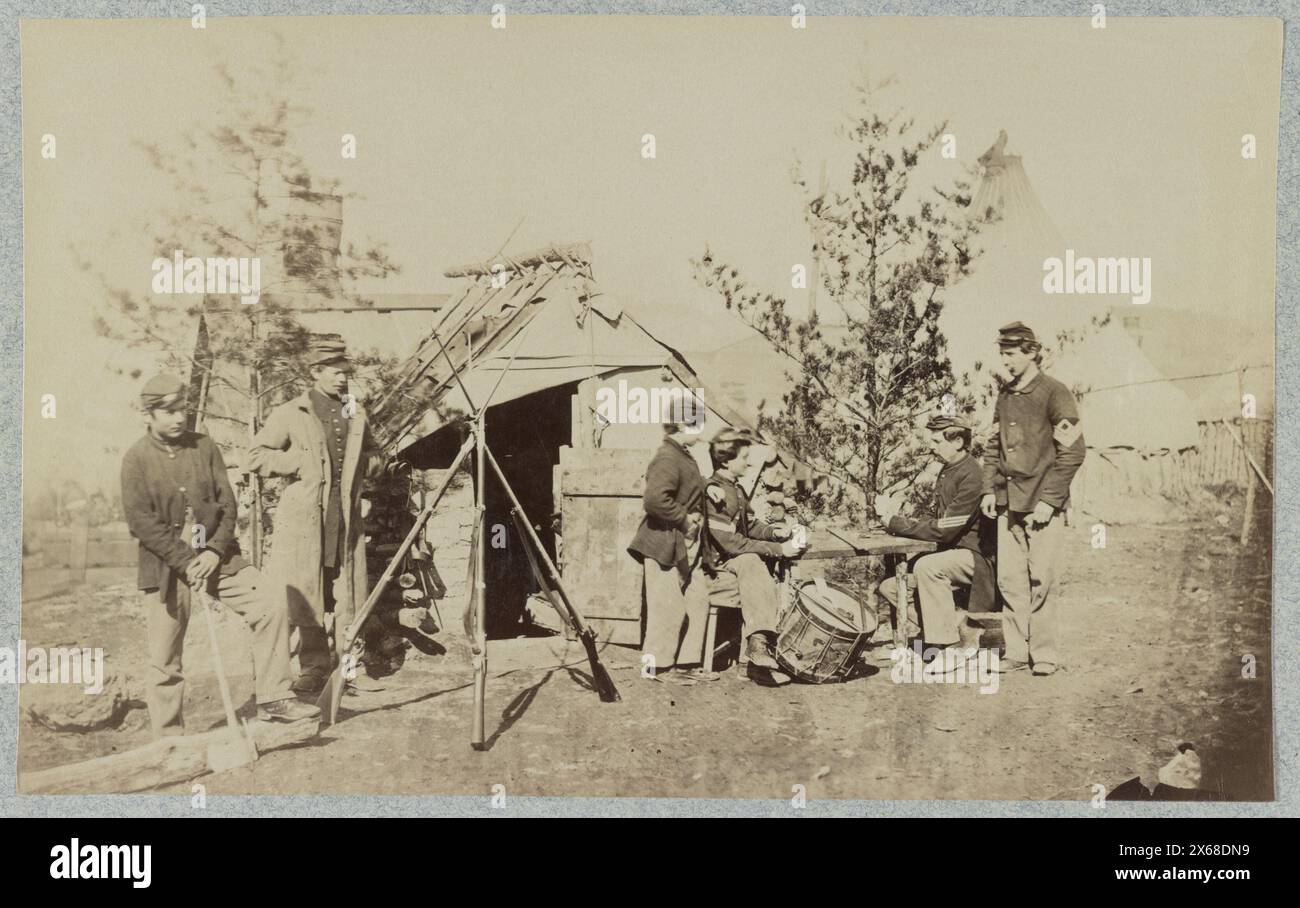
x: 229, y: 754
x: 330, y: 695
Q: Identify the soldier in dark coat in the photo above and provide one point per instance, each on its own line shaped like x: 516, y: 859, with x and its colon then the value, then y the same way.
x: 955, y: 526
x: 1036, y: 448
x: 667, y: 543
x: 179, y: 505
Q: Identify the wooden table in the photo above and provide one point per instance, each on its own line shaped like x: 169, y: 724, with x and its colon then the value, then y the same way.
x: 839, y: 542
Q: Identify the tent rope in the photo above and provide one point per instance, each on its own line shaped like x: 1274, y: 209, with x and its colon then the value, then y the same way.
x: 1156, y: 381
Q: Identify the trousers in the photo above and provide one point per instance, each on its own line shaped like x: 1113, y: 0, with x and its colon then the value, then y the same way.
x: 747, y: 577
x: 934, y: 577
x: 1027, y: 566
x: 168, y: 615
x: 676, y: 612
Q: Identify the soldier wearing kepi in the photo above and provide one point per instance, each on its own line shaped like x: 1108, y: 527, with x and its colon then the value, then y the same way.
x: 959, y: 560
x: 1032, y: 455
x: 320, y: 441
x: 179, y: 505
x: 738, y: 543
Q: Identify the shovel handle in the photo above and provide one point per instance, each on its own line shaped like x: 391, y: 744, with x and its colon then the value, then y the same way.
x: 202, y: 595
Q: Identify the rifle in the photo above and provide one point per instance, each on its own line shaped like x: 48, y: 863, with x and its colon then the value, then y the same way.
x: 562, y: 604
x: 332, y: 694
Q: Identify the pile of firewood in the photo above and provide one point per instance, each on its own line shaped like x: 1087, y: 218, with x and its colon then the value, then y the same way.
x: 408, y: 609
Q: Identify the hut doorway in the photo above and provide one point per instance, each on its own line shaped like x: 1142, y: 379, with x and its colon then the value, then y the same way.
x: 525, y: 435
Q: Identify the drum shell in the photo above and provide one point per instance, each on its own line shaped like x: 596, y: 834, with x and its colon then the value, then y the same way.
x: 811, y: 646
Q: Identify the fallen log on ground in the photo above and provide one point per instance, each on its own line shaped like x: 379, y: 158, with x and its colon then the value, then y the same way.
x: 173, y: 759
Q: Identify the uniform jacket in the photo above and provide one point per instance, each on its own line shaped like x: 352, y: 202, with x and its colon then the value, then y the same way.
x: 956, y: 524
x: 292, y: 444
x: 674, y: 489
x: 732, y: 528
x: 1036, y: 445
x: 154, y: 502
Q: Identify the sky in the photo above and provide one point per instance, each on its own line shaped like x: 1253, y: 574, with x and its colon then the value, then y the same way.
x: 1131, y: 136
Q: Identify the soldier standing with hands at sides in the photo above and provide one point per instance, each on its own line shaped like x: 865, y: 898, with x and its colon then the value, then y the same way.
x: 179, y: 505
x: 668, y: 544
x: 1032, y: 455
x: 320, y: 441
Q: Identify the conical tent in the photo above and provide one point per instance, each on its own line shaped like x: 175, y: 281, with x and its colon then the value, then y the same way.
x: 1123, y: 398
x: 1005, y: 190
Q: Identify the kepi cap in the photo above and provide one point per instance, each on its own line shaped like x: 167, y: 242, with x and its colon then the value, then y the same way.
x: 1015, y: 334
x: 942, y: 422
x: 728, y: 435
x: 163, y: 392
x: 328, y: 350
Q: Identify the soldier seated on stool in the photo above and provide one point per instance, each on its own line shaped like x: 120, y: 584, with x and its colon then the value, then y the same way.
x: 955, y: 527
x: 737, y: 544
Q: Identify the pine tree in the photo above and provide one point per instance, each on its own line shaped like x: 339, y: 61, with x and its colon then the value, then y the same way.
x: 887, y: 251
x: 224, y: 178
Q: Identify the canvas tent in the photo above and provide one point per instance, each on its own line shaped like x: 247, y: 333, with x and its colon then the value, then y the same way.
x: 543, y: 324
x: 1214, y: 355
x: 535, y: 334
x: 1139, y: 425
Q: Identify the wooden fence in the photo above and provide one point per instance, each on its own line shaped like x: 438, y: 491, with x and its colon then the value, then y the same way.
x: 79, y: 546
x: 1127, y: 485
x: 1219, y: 457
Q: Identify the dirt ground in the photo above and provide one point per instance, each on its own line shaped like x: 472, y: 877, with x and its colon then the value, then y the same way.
x: 1156, y: 625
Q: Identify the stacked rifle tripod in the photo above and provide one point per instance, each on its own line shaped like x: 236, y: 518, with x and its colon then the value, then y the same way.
x: 476, y: 441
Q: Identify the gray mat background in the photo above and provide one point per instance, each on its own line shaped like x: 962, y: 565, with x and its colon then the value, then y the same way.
x: 1286, y: 578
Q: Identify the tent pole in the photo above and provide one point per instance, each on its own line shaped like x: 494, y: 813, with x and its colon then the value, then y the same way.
x: 478, y: 642
x: 254, y: 425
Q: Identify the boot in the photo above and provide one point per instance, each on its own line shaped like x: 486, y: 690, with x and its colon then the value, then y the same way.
x: 759, y: 651
x: 309, y: 683
x: 314, y: 660
x: 767, y: 677
x: 969, y: 636
x: 286, y: 710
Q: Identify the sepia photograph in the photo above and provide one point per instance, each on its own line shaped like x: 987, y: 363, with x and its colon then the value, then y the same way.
x: 786, y: 407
